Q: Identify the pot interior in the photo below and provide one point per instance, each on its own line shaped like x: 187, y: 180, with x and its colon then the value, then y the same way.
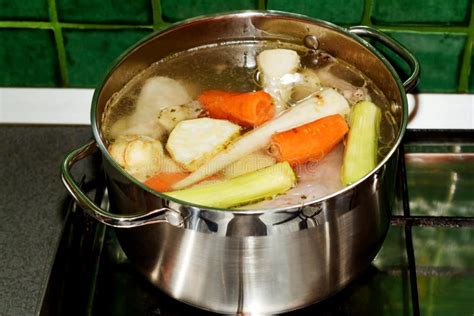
x: 252, y: 27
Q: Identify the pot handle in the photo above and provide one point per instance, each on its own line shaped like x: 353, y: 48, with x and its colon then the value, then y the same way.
x: 162, y: 215
x: 398, y: 48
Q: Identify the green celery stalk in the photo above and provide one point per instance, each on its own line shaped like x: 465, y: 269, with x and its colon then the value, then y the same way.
x: 360, y: 155
x: 250, y: 187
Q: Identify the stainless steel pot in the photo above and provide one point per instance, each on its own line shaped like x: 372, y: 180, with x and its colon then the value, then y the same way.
x: 253, y: 261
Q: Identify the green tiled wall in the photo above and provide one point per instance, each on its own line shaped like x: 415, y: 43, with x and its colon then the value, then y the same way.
x: 105, y: 11
x: 81, y: 48
x: 33, y: 62
x: 34, y: 10
x: 416, y: 12
x: 336, y: 11
x: 440, y: 56
x: 174, y: 11
x: 70, y: 43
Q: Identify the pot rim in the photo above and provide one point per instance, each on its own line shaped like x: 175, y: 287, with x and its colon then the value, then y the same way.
x: 242, y: 13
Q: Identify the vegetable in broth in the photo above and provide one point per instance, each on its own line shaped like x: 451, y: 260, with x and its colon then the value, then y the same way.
x: 263, y: 125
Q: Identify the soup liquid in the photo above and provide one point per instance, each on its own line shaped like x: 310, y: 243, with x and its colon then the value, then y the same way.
x: 233, y: 67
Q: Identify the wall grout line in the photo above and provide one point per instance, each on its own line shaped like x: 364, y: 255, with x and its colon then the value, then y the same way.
x: 58, y: 36
x: 466, y: 65
x: 424, y: 28
x: 103, y: 26
x: 50, y: 25
x: 157, y: 15
x: 367, y: 13
x: 26, y: 24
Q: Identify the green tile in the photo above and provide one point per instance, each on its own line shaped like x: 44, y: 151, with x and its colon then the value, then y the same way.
x: 471, y: 79
x: 28, y: 58
x: 439, y: 54
x: 35, y: 10
x: 173, y: 10
x: 439, y: 12
x: 89, y: 53
x: 338, y: 11
x: 445, y: 261
x: 108, y: 11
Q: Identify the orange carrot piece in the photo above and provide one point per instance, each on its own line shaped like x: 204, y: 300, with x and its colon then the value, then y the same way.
x: 163, y: 182
x: 246, y: 109
x: 311, y: 141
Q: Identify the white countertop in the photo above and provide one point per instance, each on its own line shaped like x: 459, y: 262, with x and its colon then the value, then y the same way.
x: 72, y: 106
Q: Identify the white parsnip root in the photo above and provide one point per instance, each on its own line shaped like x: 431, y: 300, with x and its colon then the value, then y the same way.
x: 157, y: 94
x: 278, y: 69
x: 327, y: 102
x: 170, y: 116
x: 192, y: 142
x: 309, y: 84
x: 141, y: 156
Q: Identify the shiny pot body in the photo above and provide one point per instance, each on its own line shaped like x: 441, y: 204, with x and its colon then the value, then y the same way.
x: 236, y: 261
x: 262, y: 262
